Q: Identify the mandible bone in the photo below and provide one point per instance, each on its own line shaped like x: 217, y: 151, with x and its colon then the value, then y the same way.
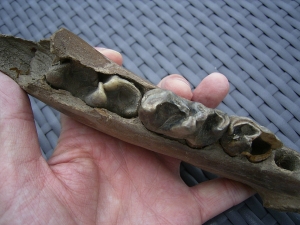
x: 42, y: 69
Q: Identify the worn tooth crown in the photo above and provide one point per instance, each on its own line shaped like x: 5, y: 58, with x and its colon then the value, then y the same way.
x: 123, y: 97
x: 165, y: 113
x: 55, y: 75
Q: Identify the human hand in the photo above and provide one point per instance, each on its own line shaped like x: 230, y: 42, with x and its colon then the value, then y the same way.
x: 93, y: 178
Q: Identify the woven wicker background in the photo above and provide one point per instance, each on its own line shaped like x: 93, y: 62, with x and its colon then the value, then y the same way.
x: 256, y: 44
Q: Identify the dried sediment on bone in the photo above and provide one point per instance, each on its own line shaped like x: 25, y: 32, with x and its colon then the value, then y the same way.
x: 246, y: 137
x: 163, y: 112
x: 110, y: 92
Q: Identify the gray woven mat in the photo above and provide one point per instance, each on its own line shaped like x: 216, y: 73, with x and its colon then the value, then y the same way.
x: 256, y: 44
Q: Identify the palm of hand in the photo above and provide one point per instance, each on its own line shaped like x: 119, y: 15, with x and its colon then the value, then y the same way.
x: 93, y: 178
x: 135, y: 185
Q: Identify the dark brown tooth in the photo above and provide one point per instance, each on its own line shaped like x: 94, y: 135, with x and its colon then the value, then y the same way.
x: 163, y: 112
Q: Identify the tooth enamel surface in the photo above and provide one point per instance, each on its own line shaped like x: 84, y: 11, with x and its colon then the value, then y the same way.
x: 95, y: 89
x: 123, y: 97
x: 97, y: 98
x: 163, y: 112
x: 55, y: 76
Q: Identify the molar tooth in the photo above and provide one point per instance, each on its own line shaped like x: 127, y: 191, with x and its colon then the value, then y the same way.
x: 56, y: 75
x: 165, y: 113
x: 114, y: 83
x: 123, y: 97
x: 97, y: 98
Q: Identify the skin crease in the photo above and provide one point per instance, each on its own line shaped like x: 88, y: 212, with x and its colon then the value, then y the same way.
x: 93, y: 178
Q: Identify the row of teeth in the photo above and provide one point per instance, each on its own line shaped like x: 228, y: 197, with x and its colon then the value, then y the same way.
x: 163, y: 112
x: 114, y: 94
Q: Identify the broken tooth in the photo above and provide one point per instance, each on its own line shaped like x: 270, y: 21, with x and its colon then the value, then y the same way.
x: 245, y: 137
x: 97, y: 98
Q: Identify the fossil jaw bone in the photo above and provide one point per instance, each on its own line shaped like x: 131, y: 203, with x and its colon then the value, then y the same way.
x: 276, y: 179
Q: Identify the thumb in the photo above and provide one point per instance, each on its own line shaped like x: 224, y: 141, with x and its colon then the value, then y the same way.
x: 18, y: 137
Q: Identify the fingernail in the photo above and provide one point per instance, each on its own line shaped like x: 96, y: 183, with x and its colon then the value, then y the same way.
x: 107, y: 50
x: 100, y: 48
x: 174, y: 77
x: 181, y: 79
